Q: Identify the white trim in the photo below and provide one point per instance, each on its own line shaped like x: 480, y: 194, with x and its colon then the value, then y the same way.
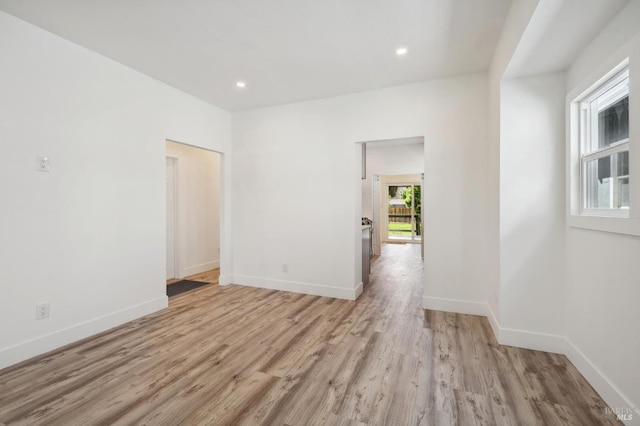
x: 463, y: 307
x: 622, y: 213
x: 541, y: 342
x: 532, y: 340
x: 504, y: 336
x: 600, y: 382
x: 299, y: 287
x: 176, y: 246
x: 588, y: 118
x: 610, y: 151
x: 414, y: 179
x: 225, y: 280
x: 493, y: 322
x: 359, y: 290
x: 610, y: 80
x: 454, y: 305
x: 616, y: 225
x: 48, y: 342
x: 599, y: 77
x: 619, y: 221
x: 615, y: 148
x: 203, y: 267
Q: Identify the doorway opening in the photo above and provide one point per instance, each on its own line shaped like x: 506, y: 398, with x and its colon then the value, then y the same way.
x: 392, y: 187
x: 404, y: 216
x: 193, y: 211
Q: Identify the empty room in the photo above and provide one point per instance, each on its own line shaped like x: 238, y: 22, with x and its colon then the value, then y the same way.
x: 307, y: 212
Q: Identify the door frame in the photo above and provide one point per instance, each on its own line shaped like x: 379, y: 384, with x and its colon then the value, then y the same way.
x: 397, y: 180
x: 412, y: 215
x: 176, y: 251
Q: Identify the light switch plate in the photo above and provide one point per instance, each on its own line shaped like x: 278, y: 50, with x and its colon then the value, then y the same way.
x: 43, y: 164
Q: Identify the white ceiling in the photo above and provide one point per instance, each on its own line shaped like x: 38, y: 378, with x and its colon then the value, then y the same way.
x: 558, y: 31
x: 285, y: 50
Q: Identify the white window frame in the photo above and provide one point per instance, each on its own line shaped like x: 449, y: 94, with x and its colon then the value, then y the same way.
x: 588, y: 125
x: 621, y: 221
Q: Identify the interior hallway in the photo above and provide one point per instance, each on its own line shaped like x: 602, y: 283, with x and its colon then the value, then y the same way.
x: 222, y: 355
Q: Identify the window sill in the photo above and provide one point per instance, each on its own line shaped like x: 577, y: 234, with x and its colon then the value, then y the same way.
x: 616, y: 225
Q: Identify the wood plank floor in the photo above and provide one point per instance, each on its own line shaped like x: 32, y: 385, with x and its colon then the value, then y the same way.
x: 240, y: 355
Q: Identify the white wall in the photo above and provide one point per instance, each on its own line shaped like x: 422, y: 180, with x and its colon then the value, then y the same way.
x: 558, y: 288
x: 514, y: 27
x: 603, y: 272
x: 89, y: 236
x: 297, y: 187
x: 532, y: 202
x: 389, y: 160
x: 198, y: 208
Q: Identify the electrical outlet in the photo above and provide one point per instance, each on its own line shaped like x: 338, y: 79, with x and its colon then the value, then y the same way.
x: 42, y: 311
x: 42, y: 164
x: 285, y: 268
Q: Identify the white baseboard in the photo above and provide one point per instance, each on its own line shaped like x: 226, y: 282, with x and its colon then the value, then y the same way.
x: 359, y: 290
x: 601, y: 383
x: 203, y: 267
x: 48, y: 342
x: 454, y: 305
x: 532, y: 340
x: 504, y: 336
x: 225, y: 279
x: 299, y: 287
x: 541, y: 342
x: 493, y: 321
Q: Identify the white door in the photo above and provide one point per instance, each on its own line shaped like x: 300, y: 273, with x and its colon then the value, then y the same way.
x: 171, y: 218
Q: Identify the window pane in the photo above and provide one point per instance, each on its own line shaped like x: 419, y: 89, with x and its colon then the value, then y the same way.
x: 598, y: 188
x: 603, y: 136
x: 623, y: 163
x: 613, y: 123
x: 604, y: 189
x: 623, y: 179
x: 624, y: 192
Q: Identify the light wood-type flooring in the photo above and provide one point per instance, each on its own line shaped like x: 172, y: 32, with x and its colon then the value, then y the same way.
x: 238, y: 355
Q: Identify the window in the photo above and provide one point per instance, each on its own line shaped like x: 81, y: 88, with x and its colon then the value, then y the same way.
x: 604, y: 148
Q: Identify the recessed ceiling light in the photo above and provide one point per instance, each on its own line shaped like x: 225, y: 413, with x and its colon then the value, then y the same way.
x: 241, y: 84
x: 401, y: 51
